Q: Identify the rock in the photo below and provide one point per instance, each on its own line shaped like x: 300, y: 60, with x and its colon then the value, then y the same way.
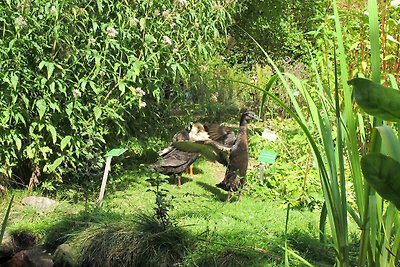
x: 15, y: 242
x: 41, y: 203
x: 34, y: 257
x: 6, y: 248
x: 65, y: 256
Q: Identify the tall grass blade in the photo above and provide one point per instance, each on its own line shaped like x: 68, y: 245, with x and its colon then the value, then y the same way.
x: 348, y: 117
x: 286, y: 231
x: 264, y: 96
x: 4, y: 223
x: 374, y: 37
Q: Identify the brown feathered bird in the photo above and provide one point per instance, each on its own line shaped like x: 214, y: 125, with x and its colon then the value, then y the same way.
x: 173, y: 161
x: 233, y: 155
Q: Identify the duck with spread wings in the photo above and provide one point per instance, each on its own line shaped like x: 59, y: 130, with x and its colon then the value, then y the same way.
x: 234, y: 155
x: 173, y: 161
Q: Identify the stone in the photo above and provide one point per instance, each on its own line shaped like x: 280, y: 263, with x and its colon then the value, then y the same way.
x: 34, y: 257
x: 41, y: 203
x: 65, y: 256
x: 6, y: 247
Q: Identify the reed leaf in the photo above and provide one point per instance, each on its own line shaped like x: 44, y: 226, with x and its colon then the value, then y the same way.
x: 5, y: 220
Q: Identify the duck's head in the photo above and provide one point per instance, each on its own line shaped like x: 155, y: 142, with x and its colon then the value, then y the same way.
x: 198, y: 132
x: 247, y: 116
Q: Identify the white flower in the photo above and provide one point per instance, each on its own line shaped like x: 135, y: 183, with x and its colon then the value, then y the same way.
x: 139, y: 91
x: 182, y: 2
x: 142, y: 104
x: 217, y: 6
x: 112, y: 32
x: 156, y: 13
x: 21, y: 21
x: 394, y: 3
x: 77, y: 93
x: 167, y: 40
x: 133, y: 22
x: 92, y: 40
x: 167, y: 15
x: 391, y: 38
x: 53, y: 10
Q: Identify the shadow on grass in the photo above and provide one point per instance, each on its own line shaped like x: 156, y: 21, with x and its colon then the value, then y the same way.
x: 218, y: 194
x: 71, y: 226
x: 173, y: 179
x: 238, y: 257
x: 315, y: 252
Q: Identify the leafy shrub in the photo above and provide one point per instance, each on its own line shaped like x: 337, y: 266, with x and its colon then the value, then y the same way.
x: 80, y: 77
x: 280, y: 27
x: 292, y: 177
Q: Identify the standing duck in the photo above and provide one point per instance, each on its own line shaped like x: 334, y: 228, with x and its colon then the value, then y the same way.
x: 234, y: 157
x: 174, y: 161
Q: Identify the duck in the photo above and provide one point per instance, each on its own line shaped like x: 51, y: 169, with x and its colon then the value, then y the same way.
x: 222, y: 148
x: 174, y: 162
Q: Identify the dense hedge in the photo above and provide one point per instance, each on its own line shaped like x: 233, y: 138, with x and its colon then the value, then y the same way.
x: 280, y: 27
x: 75, y: 76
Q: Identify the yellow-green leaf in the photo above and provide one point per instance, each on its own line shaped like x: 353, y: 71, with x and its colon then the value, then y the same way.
x: 65, y: 141
x: 97, y: 112
x: 53, y: 132
x: 18, y: 142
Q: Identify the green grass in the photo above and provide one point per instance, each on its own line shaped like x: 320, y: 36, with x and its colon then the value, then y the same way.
x: 245, y: 233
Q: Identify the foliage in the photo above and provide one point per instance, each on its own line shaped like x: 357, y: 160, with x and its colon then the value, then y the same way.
x: 291, y: 178
x: 278, y: 26
x: 77, y: 78
x: 331, y: 132
x: 163, y: 203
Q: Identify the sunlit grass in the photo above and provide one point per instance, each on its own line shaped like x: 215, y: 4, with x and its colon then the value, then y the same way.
x: 230, y: 234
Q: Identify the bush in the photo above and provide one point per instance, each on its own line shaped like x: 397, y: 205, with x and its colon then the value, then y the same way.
x: 280, y: 27
x: 79, y: 77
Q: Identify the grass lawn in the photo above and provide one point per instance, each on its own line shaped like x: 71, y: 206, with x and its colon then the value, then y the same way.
x: 245, y: 233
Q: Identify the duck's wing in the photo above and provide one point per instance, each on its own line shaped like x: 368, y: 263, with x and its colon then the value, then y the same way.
x: 221, y: 134
x: 175, y: 161
x: 211, y: 150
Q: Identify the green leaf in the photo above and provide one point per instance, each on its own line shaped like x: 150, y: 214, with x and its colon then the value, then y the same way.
x: 52, y: 167
x: 97, y: 112
x: 142, y: 23
x: 121, y: 87
x: 14, y: 80
x: 18, y: 142
x: 50, y: 69
x: 69, y: 109
x: 382, y: 173
x: 65, y: 141
x: 377, y: 100
x: 53, y: 132
x: 148, y: 38
x: 41, y: 107
x: 41, y: 65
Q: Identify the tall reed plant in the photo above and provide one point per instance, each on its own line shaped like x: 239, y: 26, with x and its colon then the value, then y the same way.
x: 332, y: 126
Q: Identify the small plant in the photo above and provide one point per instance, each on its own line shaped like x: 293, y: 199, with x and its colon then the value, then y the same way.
x: 163, y: 203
